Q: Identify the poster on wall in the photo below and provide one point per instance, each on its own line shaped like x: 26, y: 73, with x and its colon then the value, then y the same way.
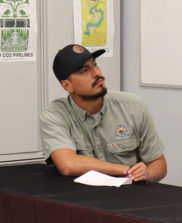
x: 94, y: 25
x: 18, y: 30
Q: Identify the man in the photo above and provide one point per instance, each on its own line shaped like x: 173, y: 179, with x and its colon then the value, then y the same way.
x: 112, y: 133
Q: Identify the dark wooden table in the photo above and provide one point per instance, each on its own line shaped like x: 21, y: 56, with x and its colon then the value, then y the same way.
x: 37, y: 193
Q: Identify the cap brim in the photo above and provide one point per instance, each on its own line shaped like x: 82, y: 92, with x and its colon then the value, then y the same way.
x: 97, y: 53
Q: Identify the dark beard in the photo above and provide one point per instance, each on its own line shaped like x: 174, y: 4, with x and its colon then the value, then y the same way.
x: 95, y: 97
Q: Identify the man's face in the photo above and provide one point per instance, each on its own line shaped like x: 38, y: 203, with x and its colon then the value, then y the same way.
x: 88, y: 82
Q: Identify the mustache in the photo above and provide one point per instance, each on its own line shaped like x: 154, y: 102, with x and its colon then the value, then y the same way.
x: 98, y: 78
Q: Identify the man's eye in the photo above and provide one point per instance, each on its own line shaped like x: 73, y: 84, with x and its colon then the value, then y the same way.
x: 84, y: 71
x: 95, y: 65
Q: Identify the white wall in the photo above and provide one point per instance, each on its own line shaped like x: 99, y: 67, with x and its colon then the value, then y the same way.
x: 20, y: 107
x: 164, y: 104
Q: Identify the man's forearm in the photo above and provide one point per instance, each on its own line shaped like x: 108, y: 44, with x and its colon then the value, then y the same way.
x: 157, y: 170
x: 70, y: 164
x: 83, y: 164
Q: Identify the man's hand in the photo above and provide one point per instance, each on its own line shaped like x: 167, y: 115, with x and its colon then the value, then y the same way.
x: 153, y: 171
x: 138, y: 172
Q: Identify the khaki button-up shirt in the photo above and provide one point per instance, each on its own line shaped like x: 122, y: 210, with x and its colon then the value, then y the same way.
x: 124, y: 132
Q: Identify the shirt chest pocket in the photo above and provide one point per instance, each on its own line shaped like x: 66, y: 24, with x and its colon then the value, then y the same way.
x: 122, y: 145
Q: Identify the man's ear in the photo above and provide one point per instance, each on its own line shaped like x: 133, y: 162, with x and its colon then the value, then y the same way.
x: 66, y: 84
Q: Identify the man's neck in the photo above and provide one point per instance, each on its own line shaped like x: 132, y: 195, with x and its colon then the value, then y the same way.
x: 93, y: 107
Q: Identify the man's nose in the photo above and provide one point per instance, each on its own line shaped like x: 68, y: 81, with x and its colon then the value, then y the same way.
x: 96, y: 72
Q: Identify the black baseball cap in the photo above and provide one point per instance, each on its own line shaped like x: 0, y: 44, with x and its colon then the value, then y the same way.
x: 70, y: 59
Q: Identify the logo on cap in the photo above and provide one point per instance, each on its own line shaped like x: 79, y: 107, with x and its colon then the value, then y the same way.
x: 78, y: 49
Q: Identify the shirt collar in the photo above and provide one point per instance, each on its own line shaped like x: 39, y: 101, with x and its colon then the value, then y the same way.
x: 79, y: 111
x: 82, y: 113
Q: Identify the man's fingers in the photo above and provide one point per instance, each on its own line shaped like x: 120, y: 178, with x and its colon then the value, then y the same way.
x: 133, y: 177
x: 136, y: 173
x: 139, y: 179
x: 142, y: 175
x: 134, y: 168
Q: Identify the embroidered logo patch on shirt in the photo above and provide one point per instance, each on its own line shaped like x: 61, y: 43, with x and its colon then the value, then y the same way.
x: 121, y: 131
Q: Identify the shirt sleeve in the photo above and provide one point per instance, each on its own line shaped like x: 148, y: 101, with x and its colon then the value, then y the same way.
x: 151, y: 146
x: 54, y: 131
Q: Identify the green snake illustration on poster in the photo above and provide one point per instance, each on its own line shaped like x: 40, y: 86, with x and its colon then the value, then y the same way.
x: 18, y: 30
x: 94, y: 25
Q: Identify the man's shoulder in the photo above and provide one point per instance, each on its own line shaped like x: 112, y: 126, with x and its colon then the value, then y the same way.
x: 123, y: 97
x: 58, y: 106
x: 58, y: 103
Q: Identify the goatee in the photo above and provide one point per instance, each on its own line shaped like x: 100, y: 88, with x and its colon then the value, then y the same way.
x: 95, y: 97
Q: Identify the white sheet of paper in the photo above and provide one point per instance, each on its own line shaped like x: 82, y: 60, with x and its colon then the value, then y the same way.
x: 95, y: 178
